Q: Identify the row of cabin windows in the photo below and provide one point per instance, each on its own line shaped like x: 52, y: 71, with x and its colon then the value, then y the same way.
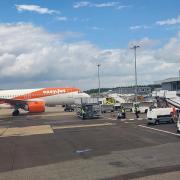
x: 25, y: 96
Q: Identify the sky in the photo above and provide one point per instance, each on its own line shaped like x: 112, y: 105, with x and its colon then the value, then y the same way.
x: 58, y: 43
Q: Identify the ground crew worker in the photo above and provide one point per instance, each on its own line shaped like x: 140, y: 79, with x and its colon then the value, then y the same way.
x: 119, y: 116
x: 174, y: 115
x: 123, y: 112
x: 136, y: 111
x: 83, y: 113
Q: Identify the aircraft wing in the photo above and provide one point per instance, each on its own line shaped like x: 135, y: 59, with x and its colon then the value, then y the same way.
x: 16, y: 101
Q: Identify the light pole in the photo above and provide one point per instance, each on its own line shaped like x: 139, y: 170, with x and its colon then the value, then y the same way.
x: 98, y: 65
x: 135, y: 47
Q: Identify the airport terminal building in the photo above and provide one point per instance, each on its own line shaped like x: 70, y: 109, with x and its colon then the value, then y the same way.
x: 170, y: 84
x: 141, y: 90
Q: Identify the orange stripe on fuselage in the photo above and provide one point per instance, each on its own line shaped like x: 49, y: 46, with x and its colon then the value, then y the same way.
x: 46, y: 92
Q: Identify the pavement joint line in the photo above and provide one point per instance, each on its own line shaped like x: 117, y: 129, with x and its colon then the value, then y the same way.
x: 82, y: 126
x: 160, y: 130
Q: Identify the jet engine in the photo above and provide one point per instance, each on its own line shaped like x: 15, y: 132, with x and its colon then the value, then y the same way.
x: 36, y: 106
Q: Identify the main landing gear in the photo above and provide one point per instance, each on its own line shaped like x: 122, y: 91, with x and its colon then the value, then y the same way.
x: 15, y: 112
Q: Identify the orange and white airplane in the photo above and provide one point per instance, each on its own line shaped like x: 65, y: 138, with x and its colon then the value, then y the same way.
x: 34, y: 100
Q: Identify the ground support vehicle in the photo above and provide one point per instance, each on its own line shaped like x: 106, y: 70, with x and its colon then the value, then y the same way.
x: 107, y: 108
x: 121, y: 115
x: 160, y: 115
x: 88, y: 111
x: 69, y: 108
x: 88, y: 108
x: 178, y: 126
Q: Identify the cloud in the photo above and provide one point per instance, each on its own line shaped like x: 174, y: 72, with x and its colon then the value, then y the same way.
x: 75, y: 19
x: 145, y: 43
x: 32, y: 57
x: 139, y: 27
x: 35, y: 8
x: 107, y: 4
x: 82, y: 4
x: 171, y: 21
x: 97, y: 28
x: 62, y: 18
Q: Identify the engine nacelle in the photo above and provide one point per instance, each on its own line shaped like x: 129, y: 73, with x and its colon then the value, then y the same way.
x: 38, y: 106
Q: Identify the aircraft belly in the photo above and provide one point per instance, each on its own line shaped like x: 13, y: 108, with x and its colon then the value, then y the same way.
x: 57, y: 100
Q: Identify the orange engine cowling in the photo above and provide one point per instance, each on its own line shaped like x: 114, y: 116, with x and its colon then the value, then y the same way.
x: 38, y: 106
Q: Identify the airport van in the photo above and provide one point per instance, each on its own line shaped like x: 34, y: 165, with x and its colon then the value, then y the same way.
x: 159, y: 115
x: 178, y: 126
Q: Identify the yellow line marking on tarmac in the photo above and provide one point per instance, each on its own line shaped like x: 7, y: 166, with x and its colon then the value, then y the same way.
x: 82, y: 126
x: 26, y: 131
x: 167, y: 132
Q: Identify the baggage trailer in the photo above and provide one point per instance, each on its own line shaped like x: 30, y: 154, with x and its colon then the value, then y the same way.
x: 88, y: 108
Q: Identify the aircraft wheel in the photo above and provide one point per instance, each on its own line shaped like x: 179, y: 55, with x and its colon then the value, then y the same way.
x: 156, y: 122
x: 15, y: 113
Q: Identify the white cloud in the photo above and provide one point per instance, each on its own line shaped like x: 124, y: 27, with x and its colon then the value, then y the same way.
x: 116, y: 5
x: 138, y: 27
x: 145, y: 42
x: 35, y: 8
x: 81, y: 4
x: 97, y: 28
x: 122, y: 7
x: 81, y: 19
x: 32, y: 57
x: 171, y: 21
x: 62, y: 18
x: 107, y: 4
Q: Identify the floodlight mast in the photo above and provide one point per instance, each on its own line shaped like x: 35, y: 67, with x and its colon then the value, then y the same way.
x: 135, y: 67
x: 99, y: 90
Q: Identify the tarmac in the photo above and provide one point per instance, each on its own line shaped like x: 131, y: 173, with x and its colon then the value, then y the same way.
x: 58, y: 145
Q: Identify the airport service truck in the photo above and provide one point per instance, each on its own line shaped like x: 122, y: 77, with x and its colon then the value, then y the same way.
x: 107, y: 105
x: 160, y: 115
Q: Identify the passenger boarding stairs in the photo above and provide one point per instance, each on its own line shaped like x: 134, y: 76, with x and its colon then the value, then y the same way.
x: 175, y: 101
x: 170, y: 96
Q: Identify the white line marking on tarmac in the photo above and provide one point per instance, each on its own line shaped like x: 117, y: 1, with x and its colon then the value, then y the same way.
x: 167, y: 132
x: 129, y: 122
x: 110, y: 118
x: 82, y: 126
